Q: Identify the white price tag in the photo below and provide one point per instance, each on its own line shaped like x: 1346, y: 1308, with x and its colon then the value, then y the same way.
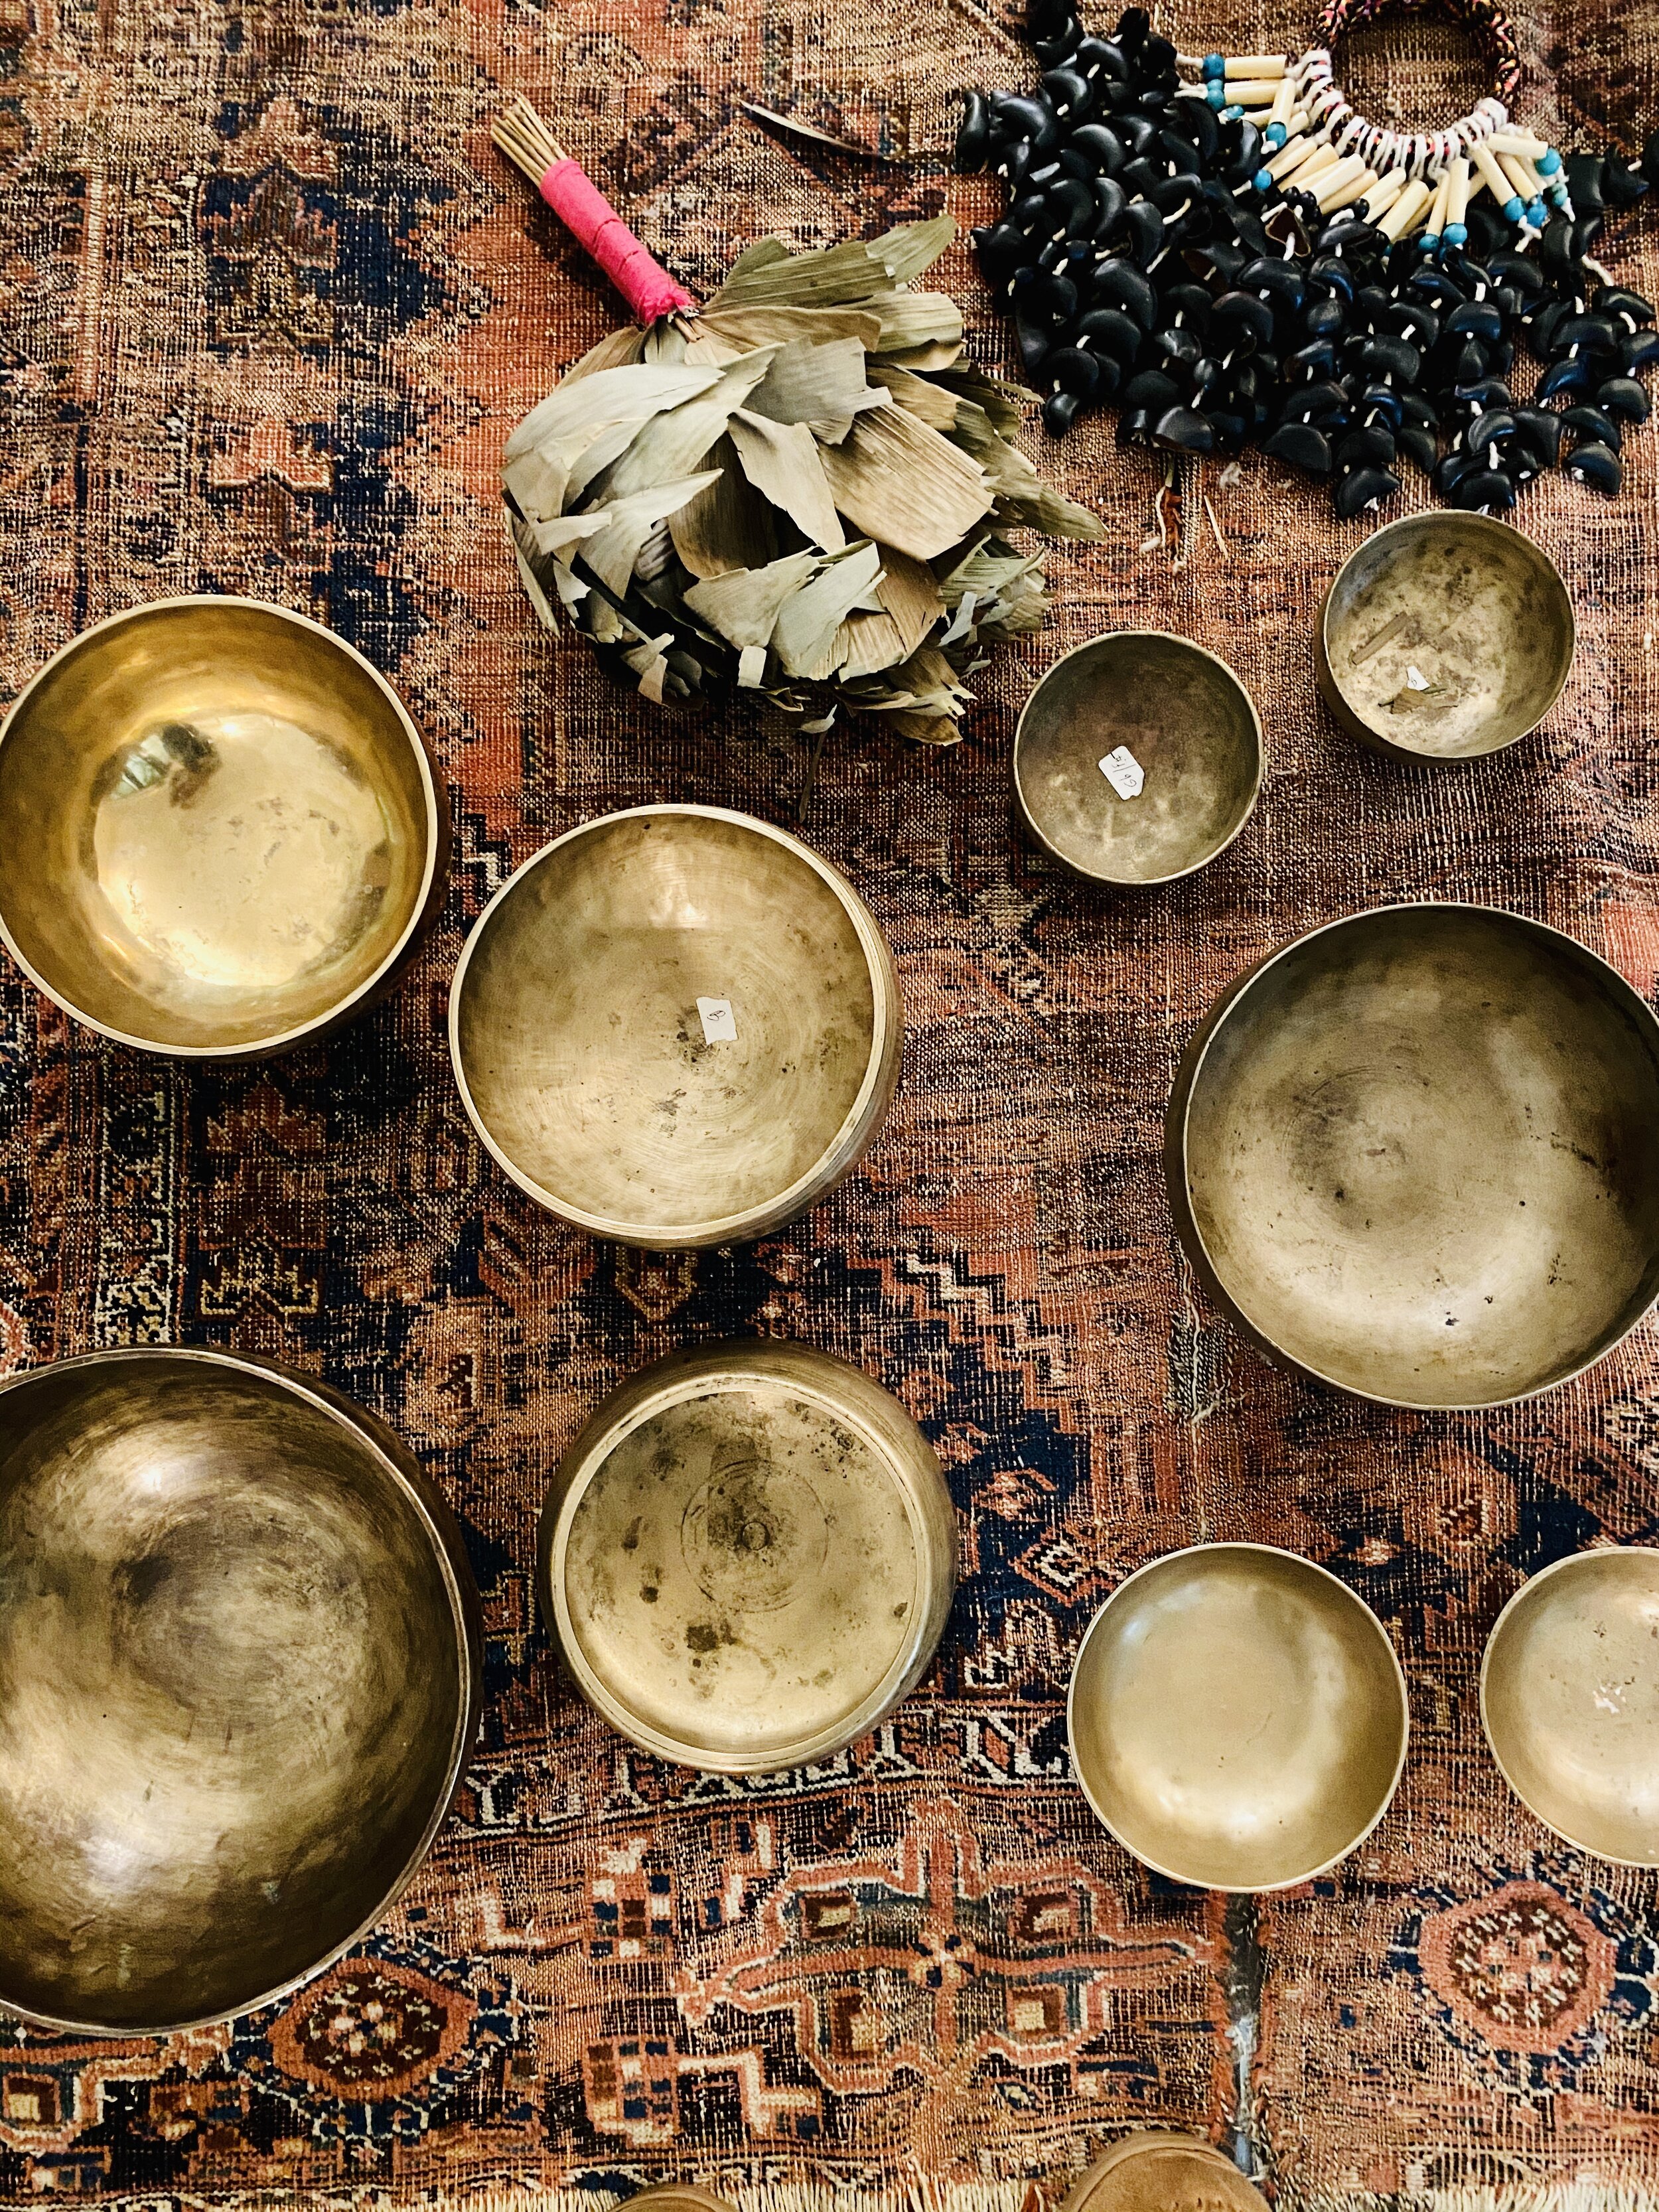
x: 719, y: 1024
x: 1123, y: 772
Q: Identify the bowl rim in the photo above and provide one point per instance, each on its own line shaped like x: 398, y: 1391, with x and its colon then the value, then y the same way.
x: 1572, y: 1559
x: 1336, y: 699
x: 840, y: 1155
x: 1178, y: 1116
x: 744, y: 1364
x: 422, y: 908
x: 1096, y: 875
x: 1311, y: 1567
x: 448, y: 1551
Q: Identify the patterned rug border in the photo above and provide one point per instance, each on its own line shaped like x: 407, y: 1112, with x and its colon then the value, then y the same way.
x: 825, y: 2196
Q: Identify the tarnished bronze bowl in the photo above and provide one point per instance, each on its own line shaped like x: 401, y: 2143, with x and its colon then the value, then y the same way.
x: 1151, y: 2170
x: 1137, y: 758
x: 676, y: 1027
x: 239, y: 1682
x: 1569, y: 1700
x: 1412, y: 1155
x: 1237, y: 1716
x: 1445, y: 636
x: 680, y: 2196
x: 748, y: 1555
x: 220, y: 833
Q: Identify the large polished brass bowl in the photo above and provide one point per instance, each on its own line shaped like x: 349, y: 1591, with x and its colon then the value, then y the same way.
x: 1191, y: 736
x: 1445, y: 636
x: 1569, y: 1700
x: 239, y: 1683
x: 1237, y: 1716
x: 220, y: 833
x: 1412, y: 1155
x: 747, y: 1556
x: 676, y: 1027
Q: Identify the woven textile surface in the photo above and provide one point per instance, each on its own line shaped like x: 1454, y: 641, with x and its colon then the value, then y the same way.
x: 269, y: 306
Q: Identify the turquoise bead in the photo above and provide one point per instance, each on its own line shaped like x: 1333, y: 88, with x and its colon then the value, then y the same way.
x: 1276, y: 135
x: 1430, y: 242
x: 1515, y: 210
x: 1262, y: 180
x: 1216, y: 93
x: 1215, y: 65
x: 1550, y: 163
x: 1535, y: 213
x: 1456, y: 234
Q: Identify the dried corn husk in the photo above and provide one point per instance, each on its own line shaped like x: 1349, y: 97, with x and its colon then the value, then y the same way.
x: 804, y: 491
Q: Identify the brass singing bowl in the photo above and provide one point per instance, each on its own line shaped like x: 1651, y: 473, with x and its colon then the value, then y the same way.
x: 1570, y: 1701
x: 1152, y: 2170
x: 239, y: 1683
x: 676, y: 1027
x: 1190, y: 729
x: 220, y: 833
x: 747, y: 1556
x: 1445, y: 636
x: 1237, y: 1716
x: 1412, y: 1156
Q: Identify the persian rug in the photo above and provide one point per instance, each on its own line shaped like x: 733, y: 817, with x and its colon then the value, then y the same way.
x: 269, y: 306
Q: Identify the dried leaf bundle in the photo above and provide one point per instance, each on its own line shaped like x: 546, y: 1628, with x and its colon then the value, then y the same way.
x: 803, y: 492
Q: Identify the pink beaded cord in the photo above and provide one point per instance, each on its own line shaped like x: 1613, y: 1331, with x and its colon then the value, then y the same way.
x: 1486, y: 20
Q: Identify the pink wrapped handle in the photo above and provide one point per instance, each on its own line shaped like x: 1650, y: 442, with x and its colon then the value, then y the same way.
x: 643, y: 281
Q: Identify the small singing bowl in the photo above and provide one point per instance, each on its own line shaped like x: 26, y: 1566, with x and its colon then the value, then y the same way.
x: 1445, y: 636
x: 221, y: 834
x: 1237, y: 1718
x: 747, y: 1556
x: 1151, y: 2170
x: 1137, y: 759
x: 676, y: 1027
x: 1411, y: 1155
x: 1570, y: 1701
x: 239, y: 1683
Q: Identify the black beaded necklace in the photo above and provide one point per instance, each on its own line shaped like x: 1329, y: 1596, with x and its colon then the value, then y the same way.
x: 1241, y: 259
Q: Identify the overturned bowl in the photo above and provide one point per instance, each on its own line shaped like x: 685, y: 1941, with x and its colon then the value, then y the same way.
x: 1237, y: 1716
x: 239, y: 1683
x: 1445, y: 636
x: 676, y: 1027
x: 1137, y: 759
x: 1569, y: 1700
x: 222, y: 836
x: 1412, y: 1156
x: 748, y: 1555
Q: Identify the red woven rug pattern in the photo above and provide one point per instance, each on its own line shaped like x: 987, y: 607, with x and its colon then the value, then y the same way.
x: 269, y: 306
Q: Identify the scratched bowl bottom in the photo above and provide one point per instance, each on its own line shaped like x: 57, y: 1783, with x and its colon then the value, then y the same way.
x: 748, y: 1556
x: 1445, y: 636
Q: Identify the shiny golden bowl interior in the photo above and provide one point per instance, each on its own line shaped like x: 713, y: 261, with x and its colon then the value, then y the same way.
x: 676, y: 1027
x: 1188, y: 724
x: 218, y: 827
x: 235, y: 1686
x: 1446, y: 635
x: 1414, y: 1153
x: 1237, y: 1716
x: 1569, y: 1697
x: 748, y: 1556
